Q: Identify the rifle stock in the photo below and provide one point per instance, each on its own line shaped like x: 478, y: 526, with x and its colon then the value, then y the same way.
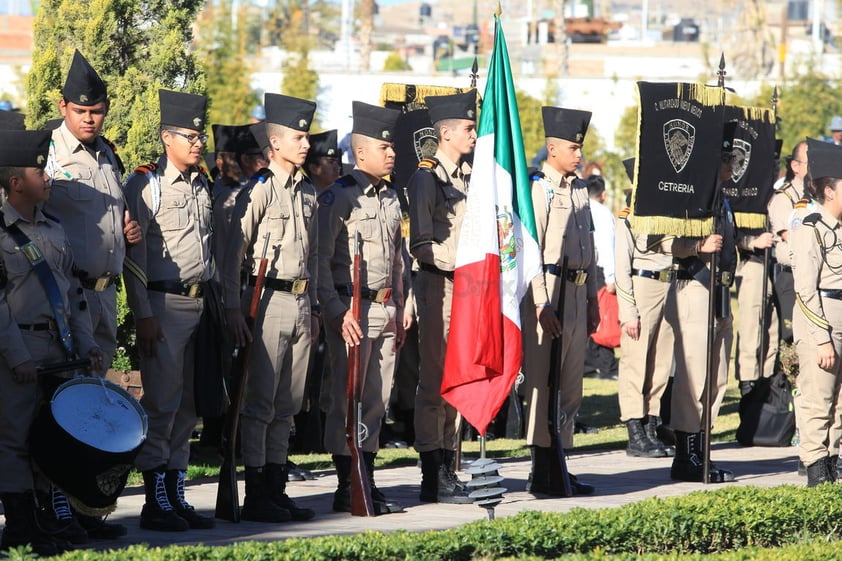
x: 361, y: 502
x: 227, y: 496
x: 558, y: 461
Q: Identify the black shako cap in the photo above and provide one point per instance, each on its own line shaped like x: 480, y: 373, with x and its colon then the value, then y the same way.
x: 456, y: 106
x: 566, y: 124
x: 374, y: 121
x: 24, y: 148
x: 83, y: 85
x: 183, y: 110
x: 289, y: 111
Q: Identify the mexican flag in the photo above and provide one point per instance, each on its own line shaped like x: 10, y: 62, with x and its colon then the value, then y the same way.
x: 496, y: 258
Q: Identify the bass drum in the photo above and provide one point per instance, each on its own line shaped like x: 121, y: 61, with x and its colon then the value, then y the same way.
x: 85, y: 441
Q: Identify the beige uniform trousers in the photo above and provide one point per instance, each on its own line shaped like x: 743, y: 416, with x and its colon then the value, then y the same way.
x: 536, y: 363
x: 103, y: 309
x: 750, y: 299
x: 168, y: 383
x: 820, y: 391
x: 436, y: 421
x: 377, y: 367
x: 691, y: 335
x: 278, y: 365
x: 18, y: 406
x: 646, y: 364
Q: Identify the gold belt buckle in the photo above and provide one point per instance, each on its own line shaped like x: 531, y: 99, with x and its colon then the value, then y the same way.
x: 666, y: 275
x: 581, y: 278
x: 725, y: 278
x: 101, y: 284
x: 194, y: 291
x: 383, y: 295
x: 299, y: 286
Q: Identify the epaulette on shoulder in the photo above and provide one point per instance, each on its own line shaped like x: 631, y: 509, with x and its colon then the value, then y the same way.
x: 428, y: 163
x: 262, y: 175
x: 146, y: 168
x: 624, y: 213
x: 535, y: 174
x: 52, y: 217
x: 347, y: 180
x: 117, y: 158
x: 811, y: 219
x: 802, y: 203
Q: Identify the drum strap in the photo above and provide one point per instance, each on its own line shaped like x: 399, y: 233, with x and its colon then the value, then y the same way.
x: 36, y: 259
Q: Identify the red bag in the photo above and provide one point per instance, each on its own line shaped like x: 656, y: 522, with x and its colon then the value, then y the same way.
x: 608, y: 332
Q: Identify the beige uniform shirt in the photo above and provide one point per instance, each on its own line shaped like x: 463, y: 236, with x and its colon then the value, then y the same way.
x: 176, y: 238
x: 563, y: 225
x: 284, y: 208
x: 374, y: 212
x: 23, y: 299
x: 780, y: 213
x: 437, y: 199
x: 816, y: 265
x: 88, y: 199
x: 643, y: 252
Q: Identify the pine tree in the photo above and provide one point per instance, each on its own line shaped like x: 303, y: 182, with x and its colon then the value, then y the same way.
x: 137, y: 46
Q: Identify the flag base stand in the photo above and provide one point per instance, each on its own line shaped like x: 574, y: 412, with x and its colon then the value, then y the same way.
x: 484, y: 481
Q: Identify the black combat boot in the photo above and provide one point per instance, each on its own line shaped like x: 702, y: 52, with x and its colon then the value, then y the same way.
x: 640, y: 446
x: 342, y: 496
x: 688, y: 463
x: 650, y: 426
x: 158, y: 513
x: 448, y: 458
x: 174, y: 482
x: 833, y: 467
x: 436, y: 484
x: 258, y: 505
x: 57, y: 519
x: 539, y: 480
x: 817, y: 473
x: 21, y: 527
x: 382, y: 505
x: 277, y: 476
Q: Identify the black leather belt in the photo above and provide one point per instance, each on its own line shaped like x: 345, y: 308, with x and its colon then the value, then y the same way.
x: 576, y: 276
x: 177, y: 287
x: 833, y: 294
x: 724, y: 278
x: 682, y: 274
x: 665, y: 275
x: 381, y: 295
x: 435, y: 270
x: 47, y: 326
x: 99, y: 284
x: 297, y: 287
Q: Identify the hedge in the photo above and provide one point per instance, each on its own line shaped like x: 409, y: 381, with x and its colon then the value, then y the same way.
x: 726, y: 519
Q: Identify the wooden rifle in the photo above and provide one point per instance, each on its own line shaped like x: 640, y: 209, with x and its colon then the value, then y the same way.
x: 227, y: 496
x: 558, y: 462
x: 361, y: 502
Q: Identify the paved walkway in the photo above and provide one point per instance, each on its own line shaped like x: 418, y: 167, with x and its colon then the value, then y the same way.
x: 618, y: 479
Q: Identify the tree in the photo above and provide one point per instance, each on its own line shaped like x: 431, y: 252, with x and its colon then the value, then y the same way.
x: 137, y: 46
x: 222, y: 55
x: 396, y: 63
x: 366, y: 30
x: 299, y: 79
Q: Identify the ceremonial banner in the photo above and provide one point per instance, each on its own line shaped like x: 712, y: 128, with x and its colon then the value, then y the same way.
x: 677, y: 159
x: 496, y: 258
x: 753, y: 165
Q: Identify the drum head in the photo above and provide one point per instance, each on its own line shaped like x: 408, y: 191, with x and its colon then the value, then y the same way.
x: 99, y: 414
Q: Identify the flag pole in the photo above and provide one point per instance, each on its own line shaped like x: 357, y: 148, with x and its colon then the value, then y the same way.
x: 764, y: 299
x: 707, y: 394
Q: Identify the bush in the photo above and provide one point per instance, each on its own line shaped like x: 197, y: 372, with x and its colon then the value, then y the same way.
x: 396, y: 63
x: 736, y: 519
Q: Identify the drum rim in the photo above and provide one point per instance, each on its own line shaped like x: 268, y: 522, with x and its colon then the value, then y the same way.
x: 88, y: 380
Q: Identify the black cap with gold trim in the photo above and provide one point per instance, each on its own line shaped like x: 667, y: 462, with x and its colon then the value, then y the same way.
x: 323, y: 144
x: 289, y: 111
x: 374, y: 121
x: 824, y: 159
x: 24, y: 148
x: 566, y: 124
x: 83, y: 85
x: 183, y: 110
x: 456, y: 106
x: 258, y: 131
x: 225, y: 138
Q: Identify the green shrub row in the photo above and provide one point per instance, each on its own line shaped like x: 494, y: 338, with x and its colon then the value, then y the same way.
x: 702, y: 522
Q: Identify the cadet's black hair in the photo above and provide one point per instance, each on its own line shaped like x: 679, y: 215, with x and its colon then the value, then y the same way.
x: 7, y: 173
x: 596, y: 185
x: 818, y: 186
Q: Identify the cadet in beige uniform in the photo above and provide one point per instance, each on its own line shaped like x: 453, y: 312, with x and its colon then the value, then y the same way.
x: 172, y: 202
x: 437, y: 192
x: 817, y: 318
x: 644, y: 275
x: 278, y: 208
x: 563, y: 224
x: 87, y: 196
x: 692, y: 297
x: 362, y: 202
x: 29, y: 330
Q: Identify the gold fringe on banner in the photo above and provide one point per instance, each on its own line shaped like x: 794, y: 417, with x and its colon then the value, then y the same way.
x: 406, y: 93
x: 700, y: 93
x: 750, y: 220
x: 759, y: 114
x: 668, y: 226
